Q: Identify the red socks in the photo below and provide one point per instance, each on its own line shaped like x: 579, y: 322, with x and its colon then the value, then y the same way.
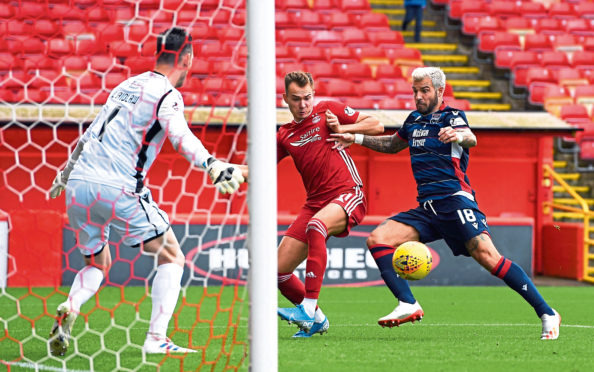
x: 317, y: 257
x: 291, y: 287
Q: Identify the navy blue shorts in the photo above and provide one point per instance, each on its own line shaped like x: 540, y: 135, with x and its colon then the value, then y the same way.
x: 456, y: 219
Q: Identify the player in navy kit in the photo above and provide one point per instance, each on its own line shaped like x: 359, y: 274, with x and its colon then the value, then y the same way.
x: 439, y: 139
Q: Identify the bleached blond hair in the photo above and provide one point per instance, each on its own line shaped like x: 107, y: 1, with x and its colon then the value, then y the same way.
x: 438, y: 78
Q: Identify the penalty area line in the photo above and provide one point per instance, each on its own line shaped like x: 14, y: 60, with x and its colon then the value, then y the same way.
x: 42, y: 367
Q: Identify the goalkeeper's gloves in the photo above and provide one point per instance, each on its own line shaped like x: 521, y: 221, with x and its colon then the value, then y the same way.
x: 58, y: 186
x: 224, y: 176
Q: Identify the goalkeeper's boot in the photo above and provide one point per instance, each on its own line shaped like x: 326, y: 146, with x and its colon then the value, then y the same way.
x: 59, y: 338
x: 403, y: 313
x: 550, y: 326
x: 298, y: 316
x: 157, y: 344
x: 318, y: 327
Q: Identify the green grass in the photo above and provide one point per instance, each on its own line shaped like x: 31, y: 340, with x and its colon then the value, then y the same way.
x: 464, y: 329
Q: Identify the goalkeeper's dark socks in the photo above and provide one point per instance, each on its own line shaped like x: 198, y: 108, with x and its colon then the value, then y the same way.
x: 517, y: 279
x: 382, y: 254
x: 291, y: 287
x: 316, y: 233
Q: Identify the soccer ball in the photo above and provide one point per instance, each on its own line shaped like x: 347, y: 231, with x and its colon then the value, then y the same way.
x: 412, y: 260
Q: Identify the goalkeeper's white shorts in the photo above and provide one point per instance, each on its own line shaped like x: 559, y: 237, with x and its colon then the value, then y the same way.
x: 99, y: 214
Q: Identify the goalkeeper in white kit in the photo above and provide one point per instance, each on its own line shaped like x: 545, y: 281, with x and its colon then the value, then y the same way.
x: 105, y: 192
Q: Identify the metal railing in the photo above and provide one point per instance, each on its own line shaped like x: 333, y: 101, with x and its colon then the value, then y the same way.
x: 583, y: 211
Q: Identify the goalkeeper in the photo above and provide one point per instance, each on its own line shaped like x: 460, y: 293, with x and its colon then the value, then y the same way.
x: 105, y: 191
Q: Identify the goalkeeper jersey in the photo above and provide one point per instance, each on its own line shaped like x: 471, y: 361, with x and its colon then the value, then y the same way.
x: 324, y: 171
x: 439, y: 168
x: 122, y: 142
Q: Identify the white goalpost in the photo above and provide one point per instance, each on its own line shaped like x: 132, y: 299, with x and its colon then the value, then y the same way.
x: 262, y: 233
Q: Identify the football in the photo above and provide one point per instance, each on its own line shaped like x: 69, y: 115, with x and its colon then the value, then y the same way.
x: 412, y: 260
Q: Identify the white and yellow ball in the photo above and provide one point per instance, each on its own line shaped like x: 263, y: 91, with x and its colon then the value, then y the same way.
x: 412, y: 260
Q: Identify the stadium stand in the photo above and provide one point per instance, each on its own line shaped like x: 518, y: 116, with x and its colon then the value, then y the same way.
x: 344, y: 36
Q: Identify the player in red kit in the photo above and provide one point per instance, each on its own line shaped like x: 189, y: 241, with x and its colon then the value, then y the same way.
x: 335, y: 201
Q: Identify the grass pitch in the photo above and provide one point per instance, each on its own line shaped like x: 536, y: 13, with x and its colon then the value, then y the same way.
x: 464, y: 329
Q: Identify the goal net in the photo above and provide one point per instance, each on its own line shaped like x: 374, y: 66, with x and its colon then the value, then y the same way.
x: 58, y: 62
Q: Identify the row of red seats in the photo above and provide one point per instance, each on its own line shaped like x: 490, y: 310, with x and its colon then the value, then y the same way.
x: 528, y: 9
x: 510, y: 57
x: 547, y: 93
x: 567, y: 76
x: 473, y: 24
x: 489, y: 41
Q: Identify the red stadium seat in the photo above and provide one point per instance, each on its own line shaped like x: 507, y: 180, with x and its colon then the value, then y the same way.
x: 537, y: 42
x: 549, y: 26
x: 583, y: 59
x: 489, y: 40
x: 96, y: 15
x: 578, y: 26
x: 123, y: 49
x: 554, y: 59
x: 32, y: 10
x: 565, y: 42
x: 110, y: 32
x: 460, y: 7
x: 327, y: 38
x: 338, y: 21
x: 562, y: 10
x: 324, y: 6
x: 372, y: 55
x: 341, y: 55
x: 201, y: 67
x: 59, y: 47
x: 7, y: 61
x: 585, y: 9
x: 503, y: 9
x: 309, y: 54
x: 386, y: 38
x: 353, y: 6
x: 73, y: 29
x: 460, y: 104
x: 340, y: 88
x: 390, y: 103
x: 74, y: 63
x: 584, y: 94
x: 291, y: 4
x: 15, y: 27
x: 215, y: 51
x: 284, y: 54
x: 576, y: 111
x: 229, y: 69
x: 307, y: 19
x: 372, y: 89
x: 539, y: 92
x: 353, y: 37
x: 293, y: 37
x: 517, y: 25
x: 587, y: 149
x: 138, y: 32
x: 323, y: 71
x: 374, y: 21
x: 399, y: 87
x: 532, y: 9
x: 231, y: 35
x: 360, y: 103
x: 101, y: 63
x: 472, y: 23
x: 283, y: 68
x: 355, y: 71
x: 45, y: 28
x: 112, y: 79
x: 283, y: 20
x: 138, y: 65
x: 538, y: 74
x: 388, y: 72
x: 509, y: 57
x: 408, y: 56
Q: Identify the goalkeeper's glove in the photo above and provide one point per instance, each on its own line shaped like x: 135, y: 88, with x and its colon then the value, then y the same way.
x: 224, y: 176
x: 58, y: 186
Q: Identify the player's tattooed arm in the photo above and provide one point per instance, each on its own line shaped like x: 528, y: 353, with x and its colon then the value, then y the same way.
x: 387, y: 144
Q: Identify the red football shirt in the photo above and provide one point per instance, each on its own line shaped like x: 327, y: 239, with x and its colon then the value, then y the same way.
x: 325, y: 172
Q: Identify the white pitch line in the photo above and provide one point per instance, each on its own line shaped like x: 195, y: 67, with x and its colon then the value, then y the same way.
x: 42, y: 367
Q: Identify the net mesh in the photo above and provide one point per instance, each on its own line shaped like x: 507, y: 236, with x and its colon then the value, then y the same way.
x: 59, y: 62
